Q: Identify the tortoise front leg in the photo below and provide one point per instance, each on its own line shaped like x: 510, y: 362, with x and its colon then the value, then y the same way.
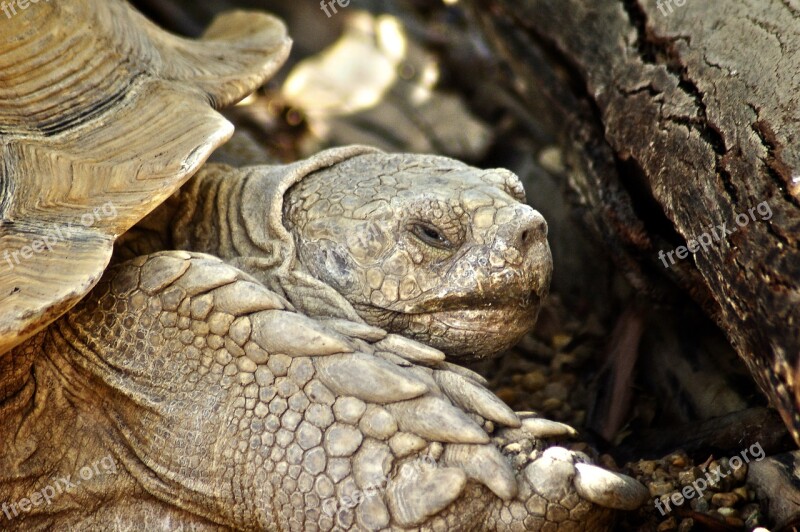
x: 223, y: 406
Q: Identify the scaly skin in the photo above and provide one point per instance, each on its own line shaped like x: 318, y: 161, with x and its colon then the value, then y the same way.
x: 424, y: 246
x: 176, y: 366
x: 251, y: 394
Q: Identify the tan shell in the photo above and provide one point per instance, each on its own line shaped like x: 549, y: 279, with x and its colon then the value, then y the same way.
x: 100, y: 109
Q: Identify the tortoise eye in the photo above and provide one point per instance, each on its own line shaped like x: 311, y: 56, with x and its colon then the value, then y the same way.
x: 431, y: 235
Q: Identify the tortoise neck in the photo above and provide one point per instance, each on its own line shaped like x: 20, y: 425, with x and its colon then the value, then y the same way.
x: 16, y: 369
x: 204, y: 215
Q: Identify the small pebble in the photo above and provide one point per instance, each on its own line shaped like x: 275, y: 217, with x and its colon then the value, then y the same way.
x: 721, y: 483
x: 661, y: 474
x: 740, y: 474
x: 560, y: 341
x: 533, y: 382
x: 742, y: 493
x: 725, y: 499
x: 507, y: 395
x: 660, y: 487
x: 727, y: 512
x: 686, y: 525
x: 687, y: 477
x: 646, y: 467
x: 550, y: 404
x: 700, y: 504
x: 669, y: 524
x: 677, y: 460
x: 563, y: 359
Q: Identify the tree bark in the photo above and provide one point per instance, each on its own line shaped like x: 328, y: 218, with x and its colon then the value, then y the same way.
x: 677, y: 123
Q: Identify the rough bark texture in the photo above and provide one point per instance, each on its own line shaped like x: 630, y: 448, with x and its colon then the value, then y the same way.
x: 674, y: 120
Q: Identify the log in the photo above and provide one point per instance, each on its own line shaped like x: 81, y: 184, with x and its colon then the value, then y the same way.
x: 679, y: 126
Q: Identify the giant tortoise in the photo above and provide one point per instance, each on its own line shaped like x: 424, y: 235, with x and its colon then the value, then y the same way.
x: 272, y: 347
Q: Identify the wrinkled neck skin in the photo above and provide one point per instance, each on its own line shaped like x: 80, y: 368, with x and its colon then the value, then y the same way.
x: 236, y: 215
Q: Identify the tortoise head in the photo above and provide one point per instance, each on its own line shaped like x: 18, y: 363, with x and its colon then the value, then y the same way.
x: 426, y: 247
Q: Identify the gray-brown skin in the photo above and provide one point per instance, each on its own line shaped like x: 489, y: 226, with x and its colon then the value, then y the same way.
x: 426, y: 246
x: 420, y: 245
x: 221, y: 405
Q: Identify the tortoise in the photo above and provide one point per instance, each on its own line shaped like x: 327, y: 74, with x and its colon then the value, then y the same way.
x: 271, y: 348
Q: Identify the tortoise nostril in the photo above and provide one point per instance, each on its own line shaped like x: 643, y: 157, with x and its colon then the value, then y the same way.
x: 532, y: 230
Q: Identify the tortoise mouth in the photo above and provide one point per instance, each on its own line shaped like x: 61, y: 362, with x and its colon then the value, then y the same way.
x: 466, y: 333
